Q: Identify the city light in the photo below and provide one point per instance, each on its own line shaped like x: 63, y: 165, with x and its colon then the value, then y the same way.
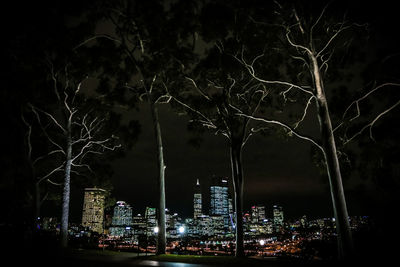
x: 262, y: 242
x: 156, y: 229
x: 181, y: 230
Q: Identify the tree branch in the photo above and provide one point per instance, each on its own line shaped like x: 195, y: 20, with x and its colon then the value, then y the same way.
x: 48, y: 154
x: 371, y: 124
x: 48, y: 115
x: 250, y: 69
x: 43, y: 128
x: 59, y: 168
x: 106, y: 36
x: 198, y: 89
x: 287, y: 127
x: 304, y: 112
x: 357, y: 102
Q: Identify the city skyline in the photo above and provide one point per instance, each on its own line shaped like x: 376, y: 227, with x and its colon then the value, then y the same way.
x: 217, y: 200
x: 125, y: 226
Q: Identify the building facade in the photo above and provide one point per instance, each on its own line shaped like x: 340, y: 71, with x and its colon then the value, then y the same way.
x: 219, y: 202
x: 151, y: 220
x: 257, y: 214
x: 278, y: 217
x: 122, y: 220
x: 197, y: 201
x: 93, y: 209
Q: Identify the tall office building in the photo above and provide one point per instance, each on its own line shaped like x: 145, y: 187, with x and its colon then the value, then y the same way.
x: 278, y: 217
x: 93, y: 209
x: 139, y: 224
x: 122, y: 219
x: 257, y: 214
x: 151, y: 220
x: 197, y: 203
x: 219, y: 203
x: 232, y: 221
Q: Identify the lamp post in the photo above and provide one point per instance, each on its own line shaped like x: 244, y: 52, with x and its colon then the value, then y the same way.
x: 181, y: 231
x: 262, y: 243
x: 156, y: 230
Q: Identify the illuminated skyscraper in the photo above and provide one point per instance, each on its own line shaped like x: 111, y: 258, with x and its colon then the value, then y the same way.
x: 278, y: 217
x: 122, y: 219
x: 219, y: 203
x: 197, y: 204
x: 257, y: 214
x: 93, y: 209
x: 151, y: 220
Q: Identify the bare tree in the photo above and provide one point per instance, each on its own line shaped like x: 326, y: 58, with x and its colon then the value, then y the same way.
x: 75, y: 133
x: 142, y: 55
x: 315, y: 51
x: 212, y: 99
x: 33, y: 161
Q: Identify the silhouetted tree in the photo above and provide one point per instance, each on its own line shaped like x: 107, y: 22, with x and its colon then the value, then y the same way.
x: 312, y: 42
x: 74, y: 131
x: 145, y: 44
x: 217, y: 87
x: 33, y: 31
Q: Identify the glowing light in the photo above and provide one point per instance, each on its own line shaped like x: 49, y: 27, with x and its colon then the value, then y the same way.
x: 262, y: 242
x: 181, y: 229
x: 156, y: 229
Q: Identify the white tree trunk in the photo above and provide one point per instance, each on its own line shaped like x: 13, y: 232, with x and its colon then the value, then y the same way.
x: 66, y: 191
x: 161, y: 237
x: 345, y: 243
x: 237, y: 177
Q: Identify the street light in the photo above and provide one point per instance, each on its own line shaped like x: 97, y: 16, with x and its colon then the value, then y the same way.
x: 156, y: 229
x: 262, y: 243
x: 181, y: 229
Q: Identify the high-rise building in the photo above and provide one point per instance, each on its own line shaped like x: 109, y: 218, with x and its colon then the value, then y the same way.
x: 197, y: 203
x: 303, y: 221
x: 122, y: 219
x: 257, y: 214
x: 151, y: 220
x: 231, y: 215
x: 219, y: 203
x: 93, y: 209
x: 278, y: 217
x: 139, y: 225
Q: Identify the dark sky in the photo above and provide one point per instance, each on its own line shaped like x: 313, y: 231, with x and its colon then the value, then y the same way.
x: 276, y: 171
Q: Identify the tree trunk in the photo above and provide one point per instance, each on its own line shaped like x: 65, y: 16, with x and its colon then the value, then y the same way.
x: 345, y: 243
x: 237, y: 177
x: 161, y: 237
x: 37, y: 205
x: 66, y: 191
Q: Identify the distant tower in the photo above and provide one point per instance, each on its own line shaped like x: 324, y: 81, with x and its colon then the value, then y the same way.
x: 151, y: 220
x: 257, y: 214
x: 197, y: 205
x: 219, y: 203
x: 93, y: 209
x: 122, y: 219
x: 278, y: 217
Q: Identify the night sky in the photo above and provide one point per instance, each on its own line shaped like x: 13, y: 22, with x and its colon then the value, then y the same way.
x: 277, y: 170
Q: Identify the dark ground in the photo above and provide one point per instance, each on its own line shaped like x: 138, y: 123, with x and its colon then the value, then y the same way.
x: 97, y: 258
